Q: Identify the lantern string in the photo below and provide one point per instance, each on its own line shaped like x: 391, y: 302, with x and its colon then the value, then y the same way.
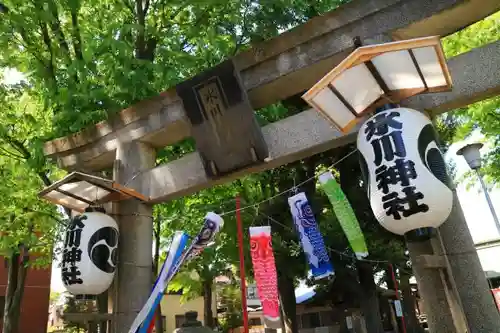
x: 220, y: 206
x: 292, y: 190
x: 342, y: 254
x: 289, y: 190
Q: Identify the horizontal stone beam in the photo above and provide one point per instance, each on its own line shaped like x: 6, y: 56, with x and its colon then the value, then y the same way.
x: 475, y: 76
x: 307, y: 133
x: 272, y: 71
x: 289, y: 140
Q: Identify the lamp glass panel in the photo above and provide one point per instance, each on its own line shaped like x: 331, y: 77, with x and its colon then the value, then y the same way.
x: 398, y: 70
x: 85, y: 190
x: 333, y: 107
x: 430, y: 66
x: 64, y: 200
x: 472, y: 156
x: 358, y: 86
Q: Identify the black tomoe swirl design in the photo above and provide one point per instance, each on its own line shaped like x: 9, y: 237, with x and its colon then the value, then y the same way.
x: 102, y: 249
x: 432, y: 157
x: 365, y: 174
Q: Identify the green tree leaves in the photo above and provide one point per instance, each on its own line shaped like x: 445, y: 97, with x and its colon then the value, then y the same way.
x: 483, y: 116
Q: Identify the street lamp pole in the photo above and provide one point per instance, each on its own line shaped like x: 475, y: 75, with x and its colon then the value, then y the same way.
x: 472, y: 155
x: 488, y: 200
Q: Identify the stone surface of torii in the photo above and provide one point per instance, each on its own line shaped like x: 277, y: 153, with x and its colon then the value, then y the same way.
x: 475, y: 77
x: 275, y: 70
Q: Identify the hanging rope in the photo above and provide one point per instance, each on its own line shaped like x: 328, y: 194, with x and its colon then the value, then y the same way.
x: 289, y: 190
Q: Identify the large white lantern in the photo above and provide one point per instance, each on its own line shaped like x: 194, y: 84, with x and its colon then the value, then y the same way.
x: 405, y: 172
x: 90, y: 253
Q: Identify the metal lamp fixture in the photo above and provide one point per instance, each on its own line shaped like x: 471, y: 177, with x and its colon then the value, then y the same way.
x: 374, y: 75
x: 472, y: 155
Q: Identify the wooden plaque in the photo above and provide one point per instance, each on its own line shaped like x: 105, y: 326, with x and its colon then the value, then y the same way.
x: 224, y: 126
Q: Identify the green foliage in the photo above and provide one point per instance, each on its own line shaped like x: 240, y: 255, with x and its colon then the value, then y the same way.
x: 476, y: 35
x: 84, y: 61
x: 72, y: 305
x: 88, y: 59
x: 483, y: 116
x: 230, y: 298
x: 23, y: 213
x: 28, y: 226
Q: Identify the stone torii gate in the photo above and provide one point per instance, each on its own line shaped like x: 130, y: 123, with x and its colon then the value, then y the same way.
x: 285, y: 66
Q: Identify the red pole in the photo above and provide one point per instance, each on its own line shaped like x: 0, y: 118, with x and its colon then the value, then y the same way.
x: 242, y: 265
x: 397, y: 295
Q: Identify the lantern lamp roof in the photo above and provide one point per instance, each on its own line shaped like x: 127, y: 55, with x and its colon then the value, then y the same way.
x: 374, y: 75
x: 474, y: 146
x: 78, y: 190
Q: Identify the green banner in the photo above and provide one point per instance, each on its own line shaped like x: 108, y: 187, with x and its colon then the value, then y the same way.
x: 345, y: 214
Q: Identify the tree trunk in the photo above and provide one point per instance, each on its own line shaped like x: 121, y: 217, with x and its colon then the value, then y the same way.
x: 16, y: 278
x: 412, y: 323
x: 288, y: 303
x: 369, y: 300
x: 208, y: 316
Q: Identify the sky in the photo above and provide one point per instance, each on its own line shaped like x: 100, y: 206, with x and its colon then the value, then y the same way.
x: 12, y: 76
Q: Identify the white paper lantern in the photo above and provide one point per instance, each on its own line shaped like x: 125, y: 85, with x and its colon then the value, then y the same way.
x: 404, y: 169
x: 90, y: 253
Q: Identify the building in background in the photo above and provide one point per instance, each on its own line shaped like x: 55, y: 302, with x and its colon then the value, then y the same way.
x: 489, y: 252
x: 35, y: 302
x: 173, y: 310
x: 56, y: 311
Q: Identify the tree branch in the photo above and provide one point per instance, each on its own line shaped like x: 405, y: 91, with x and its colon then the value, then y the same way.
x: 48, y: 44
x: 140, y: 42
x: 16, y: 144
x: 146, y: 7
x: 56, y: 28
x: 183, y: 6
x: 25, y: 41
x: 129, y: 6
x: 239, y: 40
x: 11, y: 154
x: 77, y: 38
x: 3, y: 8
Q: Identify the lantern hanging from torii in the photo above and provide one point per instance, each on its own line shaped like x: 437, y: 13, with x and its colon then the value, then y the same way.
x: 90, y: 252
x: 403, y: 168
x: 90, y: 246
x: 405, y: 171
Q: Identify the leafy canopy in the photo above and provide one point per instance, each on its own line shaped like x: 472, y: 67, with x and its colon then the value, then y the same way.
x: 483, y: 116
